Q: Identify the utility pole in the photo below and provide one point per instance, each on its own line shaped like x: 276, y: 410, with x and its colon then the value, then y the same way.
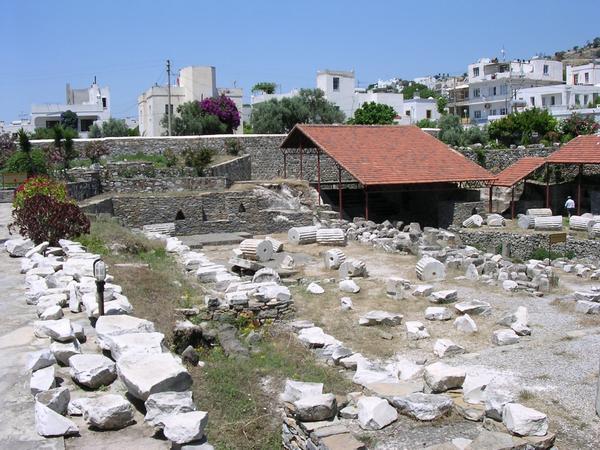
x: 169, y: 94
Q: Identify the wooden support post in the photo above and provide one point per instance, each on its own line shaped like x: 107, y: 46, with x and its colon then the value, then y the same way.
x: 512, y: 203
x: 579, y: 177
x: 301, y: 169
x: 319, y: 174
x: 366, y: 203
x: 340, y: 192
x: 547, y: 185
x: 490, y: 195
x: 285, y: 165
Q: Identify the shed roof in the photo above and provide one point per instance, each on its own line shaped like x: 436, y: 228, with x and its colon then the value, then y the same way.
x: 518, y: 171
x: 581, y: 150
x: 388, y: 154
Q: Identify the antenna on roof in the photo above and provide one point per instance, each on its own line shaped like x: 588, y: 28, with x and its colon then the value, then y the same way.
x: 94, y: 79
x: 503, y: 52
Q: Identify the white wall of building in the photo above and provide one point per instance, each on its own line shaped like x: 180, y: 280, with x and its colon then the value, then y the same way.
x: 559, y: 98
x: 417, y: 109
x: 586, y: 74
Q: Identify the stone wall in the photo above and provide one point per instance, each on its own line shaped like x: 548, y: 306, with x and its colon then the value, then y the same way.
x: 132, y: 185
x: 6, y: 195
x: 80, y: 190
x: 238, y: 169
x: 523, y: 245
x: 497, y: 160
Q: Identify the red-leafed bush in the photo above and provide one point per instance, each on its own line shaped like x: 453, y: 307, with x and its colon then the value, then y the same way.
x: 44, y: 218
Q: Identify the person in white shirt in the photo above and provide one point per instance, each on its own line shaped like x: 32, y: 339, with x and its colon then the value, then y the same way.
x: 570, y: 206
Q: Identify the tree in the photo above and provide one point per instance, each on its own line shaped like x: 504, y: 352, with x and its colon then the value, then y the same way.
x: 427, y: 123
x: 372, y: 113
x: 224, y: 108
x: 63, y: 151
x: 424, y: 92
x: 442, y: 102
x: 267, y: 87
x: 94, y: 150
x: 27, y: 159
x: 95, y: 131
x: 577, y: 125
x: 215, y: 116
x: 522, y: 128
x: 7, y: 148
x: 68, y: 119
x: 115, y: 128
x: 198, y: 158
x: 280, y: 116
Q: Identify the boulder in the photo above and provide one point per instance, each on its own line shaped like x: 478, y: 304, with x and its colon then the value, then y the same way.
x: 375, y: 413
x: 474, y: 388
x: 295, y: 390
x: 586, y: 307
x: 407, y: 369
x: 49, y: 423
x: 56, y: 399
x: 64, y: 350
x: 185, y: 427
x: 415, y: 331
x: 423, y: 406
x: 445, y: 296
x: 504, y: 336
x: 349, y: 286
x: 266, y: 274
x: 438, y: 313
x: 164, y: 404
x: 445, y: 347
x: 346, y: 303
x: 510, y: 285
x: 472, y: 273
x: 524, y: 421
x: 92, y: 370
x: 107, y: 326
x: 377, y: 317
x: 52, y: 313
x: 39, y: 360
x: 495, y: 399
x: 148, y: 374
x: 440, y: 377
x: 42, y: 380
x: 465, y: 324
x: 133, y: 343
x: 473, y: 307
x: 59, y: 330
x: 315, y: 407
x: 314, y: 288
x: 18, y: 247
x: 108, y: 412
x: 423, y: 290
x: 315, y: 337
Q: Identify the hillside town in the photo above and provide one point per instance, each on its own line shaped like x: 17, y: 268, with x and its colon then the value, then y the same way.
x: 397, y: 263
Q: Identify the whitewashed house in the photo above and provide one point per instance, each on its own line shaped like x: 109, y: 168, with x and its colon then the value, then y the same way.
x: 585, y: 74
x: 561, y: 100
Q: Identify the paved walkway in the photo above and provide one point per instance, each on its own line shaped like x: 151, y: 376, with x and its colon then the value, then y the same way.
x: 17, y: 423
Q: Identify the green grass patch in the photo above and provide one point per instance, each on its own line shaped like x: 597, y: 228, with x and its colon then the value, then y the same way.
x: 543, y: 253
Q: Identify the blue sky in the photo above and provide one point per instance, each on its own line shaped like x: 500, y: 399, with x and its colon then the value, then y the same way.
x: 125, y: 43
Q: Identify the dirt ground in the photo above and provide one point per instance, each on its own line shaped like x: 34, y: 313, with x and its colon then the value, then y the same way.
x: 554, y: 370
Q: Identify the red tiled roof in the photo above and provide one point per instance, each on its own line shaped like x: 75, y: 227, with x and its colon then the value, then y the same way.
x: 387, y: 155
x: 519, y: 170
x: 581, y: 150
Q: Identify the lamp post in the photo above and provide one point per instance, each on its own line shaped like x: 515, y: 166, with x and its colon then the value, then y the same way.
x: 100, y: 276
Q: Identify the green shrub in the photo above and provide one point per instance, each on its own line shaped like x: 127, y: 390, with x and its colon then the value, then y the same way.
x: 40, y: 186
x: 233, y: 146
x: 32, y: 163
x: 199, y: 158
x: 171, y: 158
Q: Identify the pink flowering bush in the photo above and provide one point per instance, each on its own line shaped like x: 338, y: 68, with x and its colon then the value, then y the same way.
x: 224, y: 108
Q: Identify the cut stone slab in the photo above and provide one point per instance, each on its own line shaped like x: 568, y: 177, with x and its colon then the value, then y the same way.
x: 315, y: 337
x: 295, y: 390
x: 474, y: 388
x: 465, y: 324
x: 415, y: 331
x: 469, y: 411
x: 52, y: 313
x: 164, y: 404
x: 397, y: 389
x: 589, y: 296
x: 120, y: 324
x: 423, y: 406
x: 59, y: 330
x: 56, y: 399
x: 493, y: 440
x: 49, y: 423
x: 39, y: 360
x: 473, y: 307
x: 495, y: 399
x: 445, y: 296
x: 349, y: 412
x: 42, y: 380
x: 586, y: 307
x: 510, y: 285
x: 64, y: 350
x: 430, y: 269
x: 108, y: 412
x: 298, y: 325
x: 266, y: 274
x: 349, y: 286
x: 351, y: 362
x: 366, y: 374
x: 524, y: 421
x: 380, y: 318
x: 505, y: 337
x: 407, y: 369
x: 185, y: 427
x: 314, y: 288
x: 131, y: 343
x: 375, y: 413
x: 445, y: 347
x: 441, y: 377
x: 148, y: 374
x: 92, y: 371
x: 423, y: 290
x: 438, y: 313
x: 313, y: 408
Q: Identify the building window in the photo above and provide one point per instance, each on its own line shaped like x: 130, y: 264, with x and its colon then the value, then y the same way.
x: 543, y: 101
x: 477, y: 114
x: 586, y: 77
x: 545, y: 69
x: 167, y: 109
x: 52, y: 123
x: 336, y: 83
x: 428, y: 114
x: 493, y: 91
x: 503, y: 89
x: 576, y: 79
x: 86, y: 124
x: 532, y: 101
x: 476, y: 71
x: 408, y: 113
x: 585, y: 99
x: 577, y: 101
x: 552, y: 101
x: 476, y: 92
x: 104, y: 102
x: 493, y: 112
x: 502, y: 111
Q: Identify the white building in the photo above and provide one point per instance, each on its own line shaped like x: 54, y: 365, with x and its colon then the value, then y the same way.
x: 561, y: 100
x: 193, y: 83
x: 492, y: 85
x: 586, y: 74
x: 90, y: 104
x: 416, y: 109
